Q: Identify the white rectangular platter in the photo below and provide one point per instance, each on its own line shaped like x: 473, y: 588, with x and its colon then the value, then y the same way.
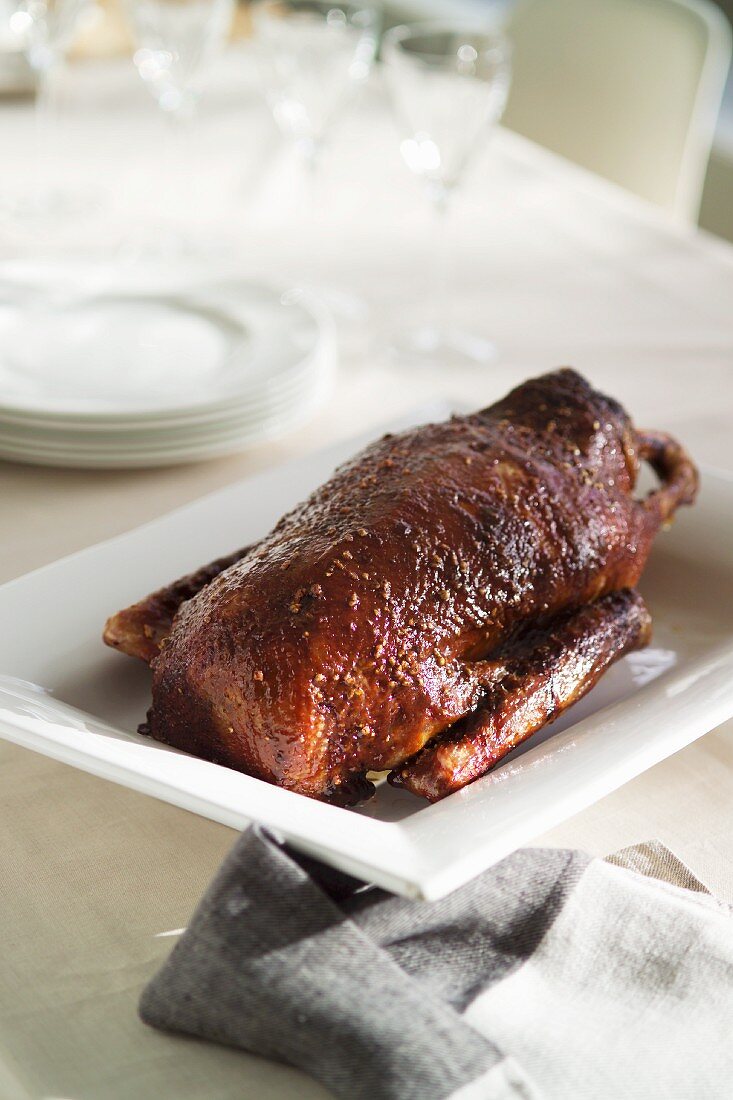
x: 64, y: 694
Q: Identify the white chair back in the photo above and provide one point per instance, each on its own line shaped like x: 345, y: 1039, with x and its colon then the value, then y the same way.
x: 628, y: 88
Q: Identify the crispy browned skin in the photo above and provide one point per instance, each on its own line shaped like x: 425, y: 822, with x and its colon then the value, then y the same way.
x: 140, y: 629
x: 391, y: 604
x: 541, y: 675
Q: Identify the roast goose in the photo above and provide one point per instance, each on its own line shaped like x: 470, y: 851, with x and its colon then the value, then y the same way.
x: 444, y: 595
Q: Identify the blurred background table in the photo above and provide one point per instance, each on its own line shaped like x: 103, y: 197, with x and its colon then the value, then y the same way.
x: 560, y: 268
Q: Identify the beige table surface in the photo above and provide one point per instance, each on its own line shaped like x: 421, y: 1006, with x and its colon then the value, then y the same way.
x: 560, y: 268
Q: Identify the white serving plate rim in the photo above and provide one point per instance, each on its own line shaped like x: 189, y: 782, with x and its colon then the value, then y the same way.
x: 389, y: 853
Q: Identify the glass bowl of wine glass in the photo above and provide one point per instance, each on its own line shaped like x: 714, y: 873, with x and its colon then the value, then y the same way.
x: 449, y: 85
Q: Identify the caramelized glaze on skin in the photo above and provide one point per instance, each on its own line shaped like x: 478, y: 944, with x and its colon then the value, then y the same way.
x: 140, y: 629
x: 360, y: 628
x: 540, y: 675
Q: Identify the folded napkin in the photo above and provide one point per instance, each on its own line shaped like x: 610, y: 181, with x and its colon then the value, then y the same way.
x: 553, y: 975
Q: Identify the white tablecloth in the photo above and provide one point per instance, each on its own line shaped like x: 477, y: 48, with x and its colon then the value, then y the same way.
x: 559, y: 268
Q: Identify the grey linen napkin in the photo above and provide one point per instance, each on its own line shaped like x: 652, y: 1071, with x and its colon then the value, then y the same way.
x: 552, y: 975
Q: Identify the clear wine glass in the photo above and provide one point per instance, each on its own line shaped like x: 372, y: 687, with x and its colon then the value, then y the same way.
x: 313, y: 54
x: 449, y: 84
x: 175, y: 42
x: 46, y: 30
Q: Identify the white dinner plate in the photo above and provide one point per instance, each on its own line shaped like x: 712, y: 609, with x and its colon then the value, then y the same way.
x: 109, y: 366
x: 64, y: 694
x: 90, y: 341
x: 278, y: 401
x: 270, y: 392
x: 216, y: 446
x: 175, y: 445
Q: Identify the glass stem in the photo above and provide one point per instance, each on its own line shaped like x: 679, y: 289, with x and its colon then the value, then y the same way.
x: 179, y: 131
x: 438, y: 298
x: 45, y: 118
x: 173, y: 240
x: 309, y: 151
x: 308, y: 154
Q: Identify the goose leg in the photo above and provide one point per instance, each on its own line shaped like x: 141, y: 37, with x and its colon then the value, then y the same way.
x: 140, y: 629
x: 543, y: 674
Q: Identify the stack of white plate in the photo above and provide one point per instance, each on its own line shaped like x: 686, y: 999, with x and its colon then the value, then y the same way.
x: 106, y: 368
